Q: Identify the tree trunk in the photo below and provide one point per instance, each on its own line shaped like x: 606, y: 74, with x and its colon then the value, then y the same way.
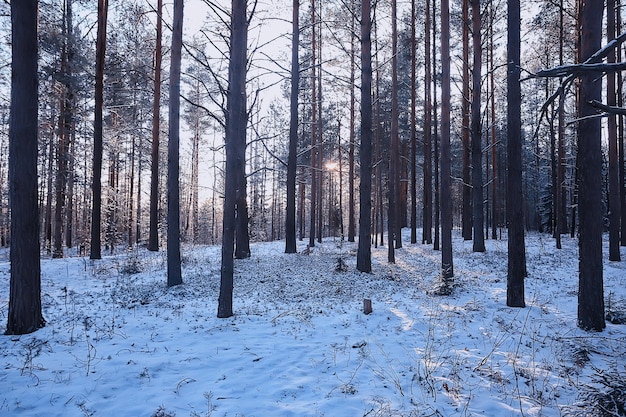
x: 427, y: 226
x: 435, y: 140
x: 395, y: 238
x: 236, y: 122
x: 466, y: 211
x: 351, y: 211
x: 96, y: 213
x: 364, y: 256
x: 447, y: 267
x: 589, y: 161
x: 24, y: 315
x: 412, y: 121
x: 313, y: 219
x: 290, y: 218
x: 174, y: 275
x: 615, y: 207
x: 153, y: 232
x: 515, y: 213
x: 476, y: 132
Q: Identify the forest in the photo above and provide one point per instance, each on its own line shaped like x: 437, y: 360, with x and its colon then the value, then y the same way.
x: 371, y: 133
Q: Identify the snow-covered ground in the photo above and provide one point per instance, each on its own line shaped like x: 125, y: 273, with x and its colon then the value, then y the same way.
x: 118, y: 342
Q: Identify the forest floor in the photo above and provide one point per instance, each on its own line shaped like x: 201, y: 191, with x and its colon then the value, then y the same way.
x: 118, y: 342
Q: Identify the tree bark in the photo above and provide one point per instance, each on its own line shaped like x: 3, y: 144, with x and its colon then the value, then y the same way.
x: 515, y: 214
x: 413, y: 127
x: 447, y: 266
x: 476, y: 133
x: 96, y: 213
x: 589, y: 161
x: 427, y: 226
x: 24, y: 315
x: 290, y: 218
x: 174, y: 274
x: 153, y: 231
x: 313, y: 219
x: 236, y: 123
x: 364, y: 257
x: 615, y: 207
x: 351, y: 210
x: 466, y: 211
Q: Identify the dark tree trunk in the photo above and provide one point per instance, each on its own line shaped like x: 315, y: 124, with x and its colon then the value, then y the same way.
x: 236, y: 122
x: 242, y: 241
x: 24, y: 315
x: 476, y: 133
x: 364, y: 255
x: 351, y: 211
x: 515, y: 213
x: 153, y: 231
x: 314, y: 153
x: 466, y: 211
x: 174, y: 275
x: 447, y: 268
x: 413, y: 127
x: 290, y: 218
x: 589, y: 161
x: 615, y: 208
x: 435, y: 140
x: 620, y: 103
x: 427, y: 227
x: 395, y: 238
x: 96, y: 213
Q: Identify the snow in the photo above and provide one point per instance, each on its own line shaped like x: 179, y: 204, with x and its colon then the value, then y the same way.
x: 121, y: 344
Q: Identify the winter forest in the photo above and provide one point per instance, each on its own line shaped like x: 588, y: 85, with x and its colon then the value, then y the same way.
x: 312, y: 208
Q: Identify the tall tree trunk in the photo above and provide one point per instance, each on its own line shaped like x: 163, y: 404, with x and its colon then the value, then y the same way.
x: 351, y: 211
x: 620, y: 103
x: 48, y: 210
x: 413, y: 127
x: 364, y: 256
x: 515, y: 212
x: 320, y: 131
x: 290, y: 218
x: 395, y: 238
x: 447, y: 266
x: 153, y: 236
x: 427, y: 227
x: 236, y: 122
x: 466, y: 210
x: 96, y: 213
x: 615, y: 207
x: 312, y: 228
x: 174, y: 275
x: 494, y: 143
x: 24, y: 315
x: 435, y: 140
x: 476, y: 132
x: 589, y: 161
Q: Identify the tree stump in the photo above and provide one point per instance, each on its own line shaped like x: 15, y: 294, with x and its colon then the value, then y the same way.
x: 367, y: 306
